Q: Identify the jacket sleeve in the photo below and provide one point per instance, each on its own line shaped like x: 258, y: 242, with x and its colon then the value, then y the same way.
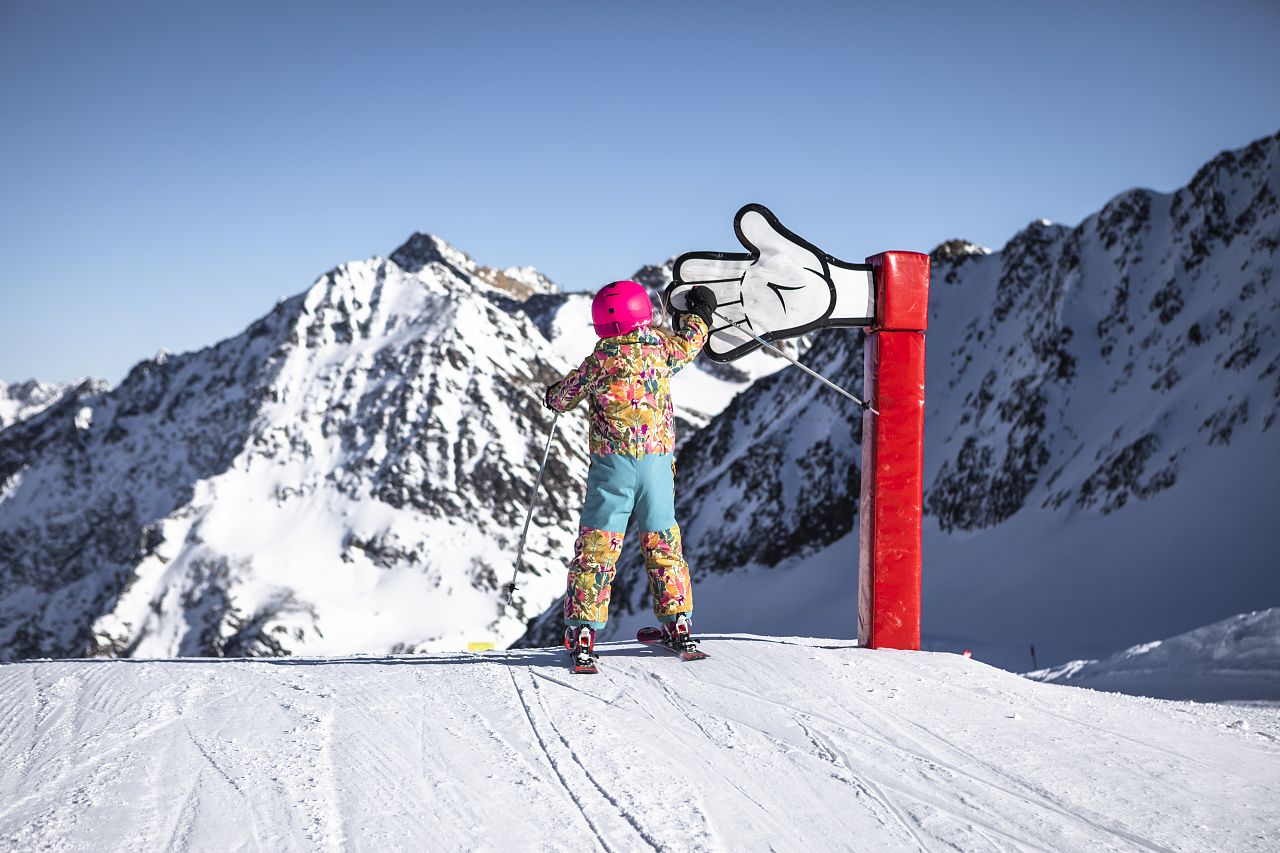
x: 685, y: 344
x: 569, y: 391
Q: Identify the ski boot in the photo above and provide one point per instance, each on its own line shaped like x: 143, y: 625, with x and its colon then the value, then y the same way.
x: 678, y: 635
x: 580, y: 640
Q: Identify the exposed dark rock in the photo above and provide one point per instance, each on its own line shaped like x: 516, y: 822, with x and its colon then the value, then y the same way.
x: 1223, y: 422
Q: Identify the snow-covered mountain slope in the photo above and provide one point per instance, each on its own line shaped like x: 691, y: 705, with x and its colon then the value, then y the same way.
x: 21, y: 400
x: 1107, y: 396
x: 771, y: 744
x: 349, y: 474
x: 1233, y: 659
x: 1101, y: 441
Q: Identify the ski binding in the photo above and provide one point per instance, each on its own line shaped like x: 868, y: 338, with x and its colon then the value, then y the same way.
x: 580, y: 642
x: 688, y: 650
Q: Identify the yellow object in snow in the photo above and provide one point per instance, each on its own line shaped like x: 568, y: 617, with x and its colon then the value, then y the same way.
x: 479, y: 647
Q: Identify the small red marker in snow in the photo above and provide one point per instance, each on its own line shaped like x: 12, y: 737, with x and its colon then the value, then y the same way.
x: 967, y: 653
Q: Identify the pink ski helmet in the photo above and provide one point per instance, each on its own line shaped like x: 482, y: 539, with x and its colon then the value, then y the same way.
x: 621, y: 307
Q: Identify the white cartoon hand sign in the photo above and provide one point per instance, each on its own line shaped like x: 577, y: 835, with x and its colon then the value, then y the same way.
x: 784, y: 286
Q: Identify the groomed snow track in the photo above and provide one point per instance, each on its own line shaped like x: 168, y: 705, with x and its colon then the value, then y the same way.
x: 783, y: 744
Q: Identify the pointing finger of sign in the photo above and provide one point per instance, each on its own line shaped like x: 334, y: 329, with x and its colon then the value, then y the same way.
x: 709, y: 270
x: 727, y: 292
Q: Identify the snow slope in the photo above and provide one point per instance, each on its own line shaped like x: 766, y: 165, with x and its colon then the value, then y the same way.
x: 1234, y: 659
x: 779, y: 744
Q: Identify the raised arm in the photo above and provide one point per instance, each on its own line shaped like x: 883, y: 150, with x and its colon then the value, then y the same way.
x: 694, y: 328
x: 683, y: 346
x: 569, y: 391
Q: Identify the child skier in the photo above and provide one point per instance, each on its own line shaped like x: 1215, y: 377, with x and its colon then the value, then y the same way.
x: 626, y: 381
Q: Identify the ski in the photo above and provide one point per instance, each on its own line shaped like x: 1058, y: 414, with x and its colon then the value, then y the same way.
x: 585, y: 667
x: 653, y: 637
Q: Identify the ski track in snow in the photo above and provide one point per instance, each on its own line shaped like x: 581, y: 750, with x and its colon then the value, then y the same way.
x: 770, y: 744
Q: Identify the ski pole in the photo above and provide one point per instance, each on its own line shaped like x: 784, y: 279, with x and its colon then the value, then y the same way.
x: 815, y: 374
x: 533, y: 499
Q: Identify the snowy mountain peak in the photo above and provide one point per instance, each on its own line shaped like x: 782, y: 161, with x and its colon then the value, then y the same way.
x: 514, y: 279
x: 421, y: 251
x: 956, y: 251
x: 1035, y: 232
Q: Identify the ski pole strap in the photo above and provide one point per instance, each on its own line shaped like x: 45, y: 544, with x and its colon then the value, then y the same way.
x: 815, y: 374
x: 533, y: 500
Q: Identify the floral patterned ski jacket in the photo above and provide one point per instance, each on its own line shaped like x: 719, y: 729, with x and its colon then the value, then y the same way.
x: 627, y: 382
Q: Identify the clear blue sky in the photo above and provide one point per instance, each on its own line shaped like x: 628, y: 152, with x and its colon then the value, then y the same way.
x: 168, y: 169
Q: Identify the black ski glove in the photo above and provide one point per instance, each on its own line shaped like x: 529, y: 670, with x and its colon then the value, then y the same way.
x: 701, y: 301
x: 546, y: 398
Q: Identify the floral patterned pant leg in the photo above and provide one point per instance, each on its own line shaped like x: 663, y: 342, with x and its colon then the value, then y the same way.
x: 669, y: 583
x: 595, y: 560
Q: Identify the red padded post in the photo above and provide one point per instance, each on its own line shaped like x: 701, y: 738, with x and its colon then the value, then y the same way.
x: 890, y: 556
